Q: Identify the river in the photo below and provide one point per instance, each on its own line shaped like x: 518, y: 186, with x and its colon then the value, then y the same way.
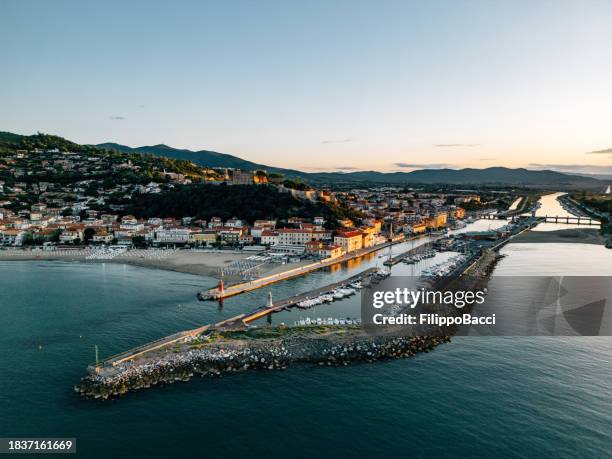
x: 475, y: 396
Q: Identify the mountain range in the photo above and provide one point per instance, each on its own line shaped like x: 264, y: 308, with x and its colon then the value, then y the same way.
x: 490, y: 176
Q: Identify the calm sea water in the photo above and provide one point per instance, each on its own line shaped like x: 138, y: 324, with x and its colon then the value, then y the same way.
x: 474, y: 397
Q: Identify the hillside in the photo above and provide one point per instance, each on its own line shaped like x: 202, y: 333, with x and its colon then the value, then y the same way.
x: 469, y: 176
x: 247, y: 202
x: 202, y: 157
x: 488, y: 176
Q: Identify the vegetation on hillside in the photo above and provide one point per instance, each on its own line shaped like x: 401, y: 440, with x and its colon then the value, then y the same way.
x: 243, y: 201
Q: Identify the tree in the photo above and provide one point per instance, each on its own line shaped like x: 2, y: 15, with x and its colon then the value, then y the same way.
x: 27, y: 239
x: 56, y: 235
x: 139, y: 242
x: 88, y: 234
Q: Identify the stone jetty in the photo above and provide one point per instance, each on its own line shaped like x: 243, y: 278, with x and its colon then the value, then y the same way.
x: 270, y: 348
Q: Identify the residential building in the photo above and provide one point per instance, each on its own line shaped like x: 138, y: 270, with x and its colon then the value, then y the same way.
x: 349, y: 240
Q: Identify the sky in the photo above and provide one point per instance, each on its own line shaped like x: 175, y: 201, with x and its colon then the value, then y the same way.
x: 319, y: 85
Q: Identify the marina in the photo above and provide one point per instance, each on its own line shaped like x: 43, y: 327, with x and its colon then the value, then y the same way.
x: 239, y: 321
x: 414, y: 255
x: 321, y: 295
x: 222, y: 291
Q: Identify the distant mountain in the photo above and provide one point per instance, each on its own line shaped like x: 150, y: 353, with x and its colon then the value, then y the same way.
x: 202, y: 157
x: 598, y: 176
x: 489, y: 176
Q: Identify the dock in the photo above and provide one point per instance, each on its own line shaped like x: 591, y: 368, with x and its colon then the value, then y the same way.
x: 414, y: 251
x: 239, y: 321
x: 293, y: 300
x: 236, y: 289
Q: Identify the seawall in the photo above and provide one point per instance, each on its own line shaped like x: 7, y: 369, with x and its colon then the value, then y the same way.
x: 241, y: 351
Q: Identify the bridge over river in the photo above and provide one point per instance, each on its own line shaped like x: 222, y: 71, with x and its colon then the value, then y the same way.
x: 559, y: 219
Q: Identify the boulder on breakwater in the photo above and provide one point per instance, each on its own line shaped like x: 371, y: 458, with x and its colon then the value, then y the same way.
x: 272, y: 348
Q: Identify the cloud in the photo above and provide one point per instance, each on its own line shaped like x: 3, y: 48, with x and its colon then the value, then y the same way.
x: 582, y: 168
x: 421, y: 166
x: 332, y: 169
x: 600, y: 152
x: 337, y: 140
x: 446, y: 145
x: 117, y: 118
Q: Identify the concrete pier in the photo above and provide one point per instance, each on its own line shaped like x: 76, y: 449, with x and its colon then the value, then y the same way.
x: 236, y: 289
x: 239, y: 321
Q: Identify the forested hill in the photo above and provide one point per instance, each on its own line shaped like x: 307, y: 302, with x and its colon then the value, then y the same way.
x: 205, y: 158
x: 249, y: 203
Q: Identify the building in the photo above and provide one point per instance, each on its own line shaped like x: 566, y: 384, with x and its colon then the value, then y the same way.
x: 171, y: 236
x: 346, y: 222
x: 436, y: 221
x: 215, y: 222
x: 349, y: 240
x: 418, y: 228
x: 102, y: 237
x: 11, y: 237
x: 368, y: 239
x: 287, y: 249
x: 242, y: 177
x: 291, y: 236
x: 269, y: 237
x: 204, y: 237
x: 313, y: 246
x: 229, y: 234
x: 266, y: 224
x: 234, y: 223
x: 459, y: 213
x: 330, y: 251
x: 71, y: 236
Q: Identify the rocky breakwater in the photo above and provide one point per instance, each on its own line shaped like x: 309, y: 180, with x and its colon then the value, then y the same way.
x: 271, y: 348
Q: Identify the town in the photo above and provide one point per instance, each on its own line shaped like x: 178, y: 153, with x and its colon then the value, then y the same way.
x: 55, y: 197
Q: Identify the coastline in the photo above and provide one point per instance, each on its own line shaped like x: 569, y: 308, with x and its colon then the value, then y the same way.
x: 207, y: 264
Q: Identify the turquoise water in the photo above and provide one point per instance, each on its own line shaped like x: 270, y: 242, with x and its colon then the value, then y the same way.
x: 473, y: 397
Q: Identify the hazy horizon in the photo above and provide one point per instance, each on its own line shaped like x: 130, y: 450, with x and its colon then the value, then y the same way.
x: 343, y: 86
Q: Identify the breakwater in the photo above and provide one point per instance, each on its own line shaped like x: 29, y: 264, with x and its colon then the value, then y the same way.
x: 273, y: 348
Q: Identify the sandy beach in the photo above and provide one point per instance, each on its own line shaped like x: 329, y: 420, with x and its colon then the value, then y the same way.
x: 202, y: 263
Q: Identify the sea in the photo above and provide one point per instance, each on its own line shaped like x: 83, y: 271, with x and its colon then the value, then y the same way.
x: 474, y: 397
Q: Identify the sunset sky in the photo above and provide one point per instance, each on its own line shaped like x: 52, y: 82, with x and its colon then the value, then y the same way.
x: 330, y: 85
